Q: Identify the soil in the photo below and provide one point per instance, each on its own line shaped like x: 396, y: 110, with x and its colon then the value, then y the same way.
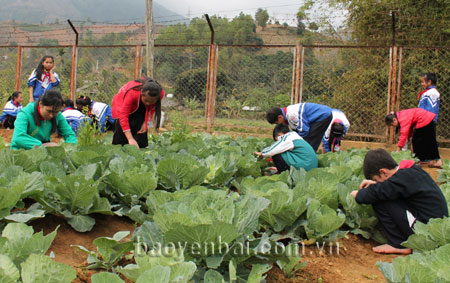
x: 355, y: 261
x: 6, y: 135
x: 105, y: 226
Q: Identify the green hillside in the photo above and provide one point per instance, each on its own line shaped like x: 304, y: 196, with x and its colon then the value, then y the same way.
x: 47, y: 11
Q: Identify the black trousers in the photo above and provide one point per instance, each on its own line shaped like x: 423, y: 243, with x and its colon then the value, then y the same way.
x: 424, y: 142
x: 393, y: 220
x: 316, y: 132
x: 9, y: 122
x: 135, y: 120
x: 280, y: 163
x: 110, y: 126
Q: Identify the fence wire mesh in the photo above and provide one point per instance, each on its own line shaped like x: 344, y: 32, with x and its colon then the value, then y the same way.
x: 354, y: 80
x: 417, y: 61
x: 8, y: 58
x: 257, y: 78
x: 182, y: 71
x: 102, y: 71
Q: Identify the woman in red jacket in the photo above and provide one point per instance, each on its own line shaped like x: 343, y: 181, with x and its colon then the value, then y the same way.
x: 419, y: 124
x: 135, y: 103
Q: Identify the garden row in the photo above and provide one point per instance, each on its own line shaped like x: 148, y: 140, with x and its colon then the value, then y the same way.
x: 204, y: 210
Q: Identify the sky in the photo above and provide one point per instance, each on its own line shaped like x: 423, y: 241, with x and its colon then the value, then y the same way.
x: 281, y: 10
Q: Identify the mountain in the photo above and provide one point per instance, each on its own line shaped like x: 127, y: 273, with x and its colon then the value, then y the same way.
x: 48, y: 11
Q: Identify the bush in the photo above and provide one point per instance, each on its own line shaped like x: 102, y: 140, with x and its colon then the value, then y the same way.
x: 192, y: 84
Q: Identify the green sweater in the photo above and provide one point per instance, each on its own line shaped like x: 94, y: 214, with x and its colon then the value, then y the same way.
x: 27, y: 134
x: 294, y: 150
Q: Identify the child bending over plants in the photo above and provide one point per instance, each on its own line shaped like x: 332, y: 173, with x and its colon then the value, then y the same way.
x: 418, y: 124
x: 289, y: 150
x: 400, y: 195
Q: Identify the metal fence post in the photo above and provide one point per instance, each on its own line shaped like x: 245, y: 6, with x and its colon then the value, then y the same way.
x: 399, y: 79
x: 207, y: 86
x: 74, y: 63
x: 394, y: 79
x: 211, y: 87
x: 73, y: 72
x: 301, y: 74
x: 299, y: 77
x: 214, y: 81
x: 394, y: 86
x: 388, y: 110
x: 18, y: 68
x: 294, y: 68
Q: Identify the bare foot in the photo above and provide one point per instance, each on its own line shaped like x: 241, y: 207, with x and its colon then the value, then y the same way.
x: 388, y: 249
x: 436, y: 164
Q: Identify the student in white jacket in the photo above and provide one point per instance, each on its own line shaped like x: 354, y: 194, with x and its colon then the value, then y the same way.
x: 337, y: 129
x: 289, y: 150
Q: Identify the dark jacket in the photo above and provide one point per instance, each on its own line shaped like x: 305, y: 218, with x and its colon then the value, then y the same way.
x: 422, y: 195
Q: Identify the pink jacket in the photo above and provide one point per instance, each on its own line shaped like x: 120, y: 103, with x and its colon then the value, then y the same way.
x: 125, y: 103
x: 410, y: 119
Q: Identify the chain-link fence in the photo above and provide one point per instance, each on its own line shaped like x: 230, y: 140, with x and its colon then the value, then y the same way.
x: 182, y: 71
x: 250, y: 79
x: 8, y: 58
x: 102, y: 71
x: 414, y: 63
x: 254, y: 79
x: 354, y: 80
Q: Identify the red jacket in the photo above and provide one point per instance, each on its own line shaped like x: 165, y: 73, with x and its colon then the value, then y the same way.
x: 125, y: 103
x: 409, y: 119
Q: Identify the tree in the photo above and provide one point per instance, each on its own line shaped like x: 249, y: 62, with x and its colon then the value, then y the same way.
x: 313, y: 26
x: 261, y: 17
x: 417, y: 22
x: 301, y: 16
x: 300, y: 25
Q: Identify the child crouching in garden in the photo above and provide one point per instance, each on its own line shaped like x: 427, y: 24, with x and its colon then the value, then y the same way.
x: 400, y: 195
x: 289, y: 150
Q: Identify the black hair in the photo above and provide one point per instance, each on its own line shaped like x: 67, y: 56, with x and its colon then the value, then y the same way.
x: 85, y: 102
x: 14, y: 95
x: 69, y: 103
x: 40, y: 67
x: 280, y: 128
x: 154, y: 89
x: 52, y: 98
x: 337, y: 130
x: 272, y: 114
x: 375, y: 160
x: 389, y: 119
x: 430, y: 77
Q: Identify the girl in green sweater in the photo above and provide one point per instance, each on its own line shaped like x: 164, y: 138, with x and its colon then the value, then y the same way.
x: 36, y: 123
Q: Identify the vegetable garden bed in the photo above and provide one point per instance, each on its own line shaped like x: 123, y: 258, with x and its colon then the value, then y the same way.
x: 191, y: 189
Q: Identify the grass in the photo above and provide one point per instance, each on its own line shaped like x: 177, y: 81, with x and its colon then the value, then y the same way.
x: 233, y: 126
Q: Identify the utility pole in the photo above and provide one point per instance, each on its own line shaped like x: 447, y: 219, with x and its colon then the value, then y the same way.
x: 150, y: 39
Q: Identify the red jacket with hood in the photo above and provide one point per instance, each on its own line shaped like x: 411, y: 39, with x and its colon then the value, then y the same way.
x: 410, y: 119
x: 125, y: 103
